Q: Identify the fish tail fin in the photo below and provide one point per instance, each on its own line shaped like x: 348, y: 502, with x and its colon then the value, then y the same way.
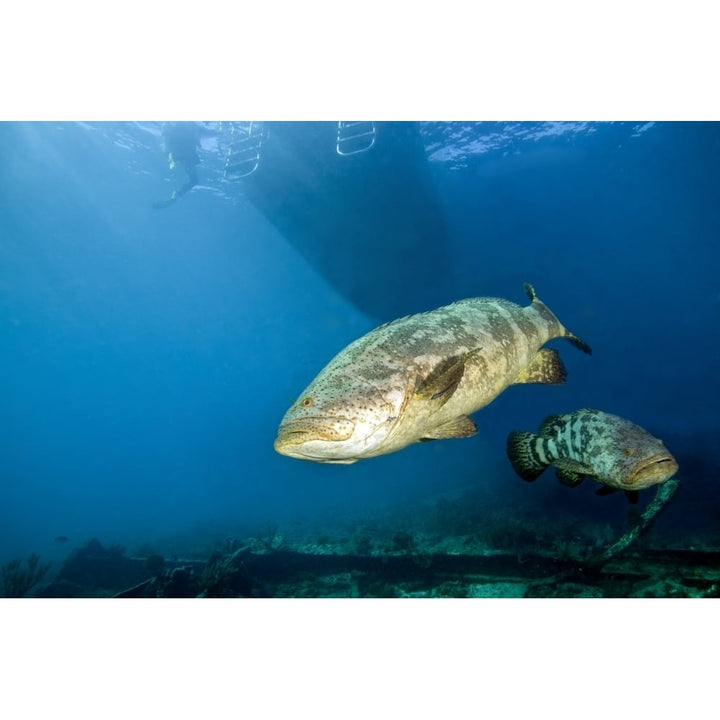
x: 530, y: 292
x: 577, y: 342
x: 523, y: 455
x: 574, y: 339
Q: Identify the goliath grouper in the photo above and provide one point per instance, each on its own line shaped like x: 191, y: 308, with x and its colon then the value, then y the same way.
x: 419, y: 377
x: 617, y: 453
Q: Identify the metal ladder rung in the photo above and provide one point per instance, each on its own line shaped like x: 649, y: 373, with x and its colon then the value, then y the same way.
x: 235, y: 172
x: 357, y: 135
x: 248, y: 152
x: 242, y: 168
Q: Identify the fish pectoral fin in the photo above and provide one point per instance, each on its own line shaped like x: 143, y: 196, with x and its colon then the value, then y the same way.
x: 568, y: 477
x: 632, y: 496
x: 605, y: 490
x: 459, y: 427
x: 571, y: 472
x: 442, y: 381
x: 546, y: 368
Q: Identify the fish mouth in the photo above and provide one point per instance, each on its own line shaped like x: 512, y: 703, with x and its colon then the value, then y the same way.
x: 315, y: 429
x: 653, y: 470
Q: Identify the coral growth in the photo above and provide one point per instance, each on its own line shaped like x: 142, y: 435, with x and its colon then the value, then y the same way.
x: 18, y: 581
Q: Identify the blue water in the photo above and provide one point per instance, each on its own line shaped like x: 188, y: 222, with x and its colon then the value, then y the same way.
x: 149, y: 355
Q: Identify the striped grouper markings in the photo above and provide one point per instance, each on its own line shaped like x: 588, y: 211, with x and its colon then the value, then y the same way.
x: 617, y: 453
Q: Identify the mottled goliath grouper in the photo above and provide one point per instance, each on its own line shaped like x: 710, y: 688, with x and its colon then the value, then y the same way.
x: 419, y: 377
x: 617, y: 453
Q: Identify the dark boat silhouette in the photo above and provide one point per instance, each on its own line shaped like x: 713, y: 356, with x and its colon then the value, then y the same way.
x: 358, y: 201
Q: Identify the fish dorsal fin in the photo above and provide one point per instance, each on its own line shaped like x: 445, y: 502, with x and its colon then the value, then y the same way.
x: 396, y: 321
x: 546, y: 368
x: 547, y: 425
x: 459, y: 427
x: 442, y: 381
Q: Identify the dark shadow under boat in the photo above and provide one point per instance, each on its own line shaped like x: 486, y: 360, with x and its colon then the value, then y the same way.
x: 358, y: 201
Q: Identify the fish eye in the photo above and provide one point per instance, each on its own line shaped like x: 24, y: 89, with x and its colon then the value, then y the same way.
x: 307, y: 402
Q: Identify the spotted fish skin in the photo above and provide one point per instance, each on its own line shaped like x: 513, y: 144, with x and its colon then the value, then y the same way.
x: 614, y: 451
x: 419, y: 377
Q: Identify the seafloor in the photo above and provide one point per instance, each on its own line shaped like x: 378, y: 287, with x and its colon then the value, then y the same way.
x: 449, y: 548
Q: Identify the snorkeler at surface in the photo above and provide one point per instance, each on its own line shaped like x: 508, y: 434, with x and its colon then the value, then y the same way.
x: 181, y: 141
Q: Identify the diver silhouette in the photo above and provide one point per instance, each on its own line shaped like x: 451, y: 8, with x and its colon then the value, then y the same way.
x: 181, y: 141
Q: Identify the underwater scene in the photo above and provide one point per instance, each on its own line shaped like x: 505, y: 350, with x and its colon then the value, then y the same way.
x: 359, y: 359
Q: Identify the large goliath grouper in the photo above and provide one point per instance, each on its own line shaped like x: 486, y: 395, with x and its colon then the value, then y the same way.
x: 420, y: 377
x: 617, y: 453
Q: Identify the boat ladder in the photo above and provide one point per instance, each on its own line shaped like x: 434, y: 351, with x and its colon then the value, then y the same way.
x: 243, y: 155
x: 355, y: 137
